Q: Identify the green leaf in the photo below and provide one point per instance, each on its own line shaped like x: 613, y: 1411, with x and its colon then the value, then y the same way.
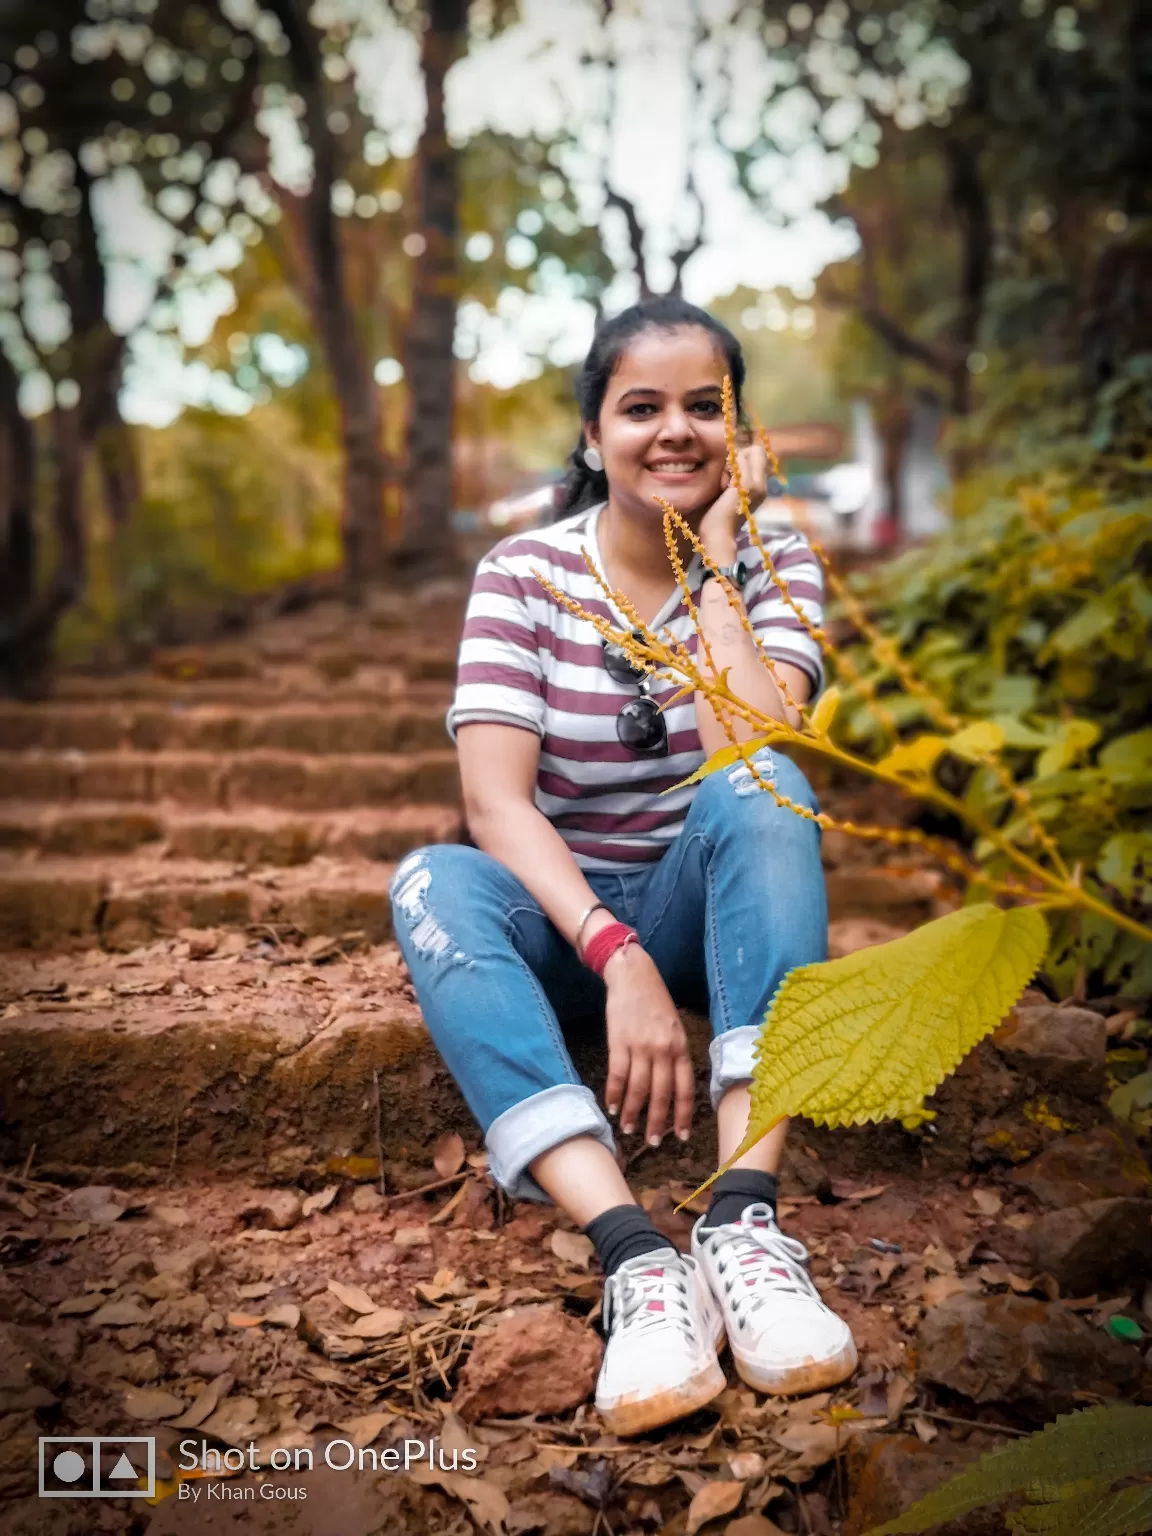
x: 869, y: 1036
x: 1131, y: 1096
x: 1101, y: 1444
x: 1128, y: 759
x: 1120, y: 859
x: 1073, y: 740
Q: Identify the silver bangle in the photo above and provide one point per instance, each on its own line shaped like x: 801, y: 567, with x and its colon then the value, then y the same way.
x: 597, y: 906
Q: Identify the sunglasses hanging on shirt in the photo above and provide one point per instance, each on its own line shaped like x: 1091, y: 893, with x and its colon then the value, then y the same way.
x: 640, y: 725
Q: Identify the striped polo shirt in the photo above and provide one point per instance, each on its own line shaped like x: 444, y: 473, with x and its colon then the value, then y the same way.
x: 525, y: 661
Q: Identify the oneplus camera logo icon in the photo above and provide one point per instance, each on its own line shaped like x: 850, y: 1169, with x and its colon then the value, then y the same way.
x: 97, y: 1467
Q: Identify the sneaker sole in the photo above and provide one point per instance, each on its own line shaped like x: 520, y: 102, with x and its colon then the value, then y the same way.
x: 799, y: 1380
x: 636, y: 1415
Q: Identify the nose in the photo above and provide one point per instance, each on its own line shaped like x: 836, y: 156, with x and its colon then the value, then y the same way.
x: 675, y: 425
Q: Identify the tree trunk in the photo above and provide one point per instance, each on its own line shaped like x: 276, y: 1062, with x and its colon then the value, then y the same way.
x: 426, y: 538
x: 17, y: 497
x: 365, y: 468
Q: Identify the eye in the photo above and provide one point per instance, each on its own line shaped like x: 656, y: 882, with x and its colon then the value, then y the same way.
x: 640, y: 408
x: 707, y: 407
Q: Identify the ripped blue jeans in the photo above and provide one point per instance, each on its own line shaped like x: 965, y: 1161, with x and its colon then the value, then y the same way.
x: 735, y: 903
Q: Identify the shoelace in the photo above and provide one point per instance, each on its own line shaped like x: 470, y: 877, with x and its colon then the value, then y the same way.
x: 763, y: 1258
x: 647, y: 1292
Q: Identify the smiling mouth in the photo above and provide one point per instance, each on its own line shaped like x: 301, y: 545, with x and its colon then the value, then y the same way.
x: 675, y: 467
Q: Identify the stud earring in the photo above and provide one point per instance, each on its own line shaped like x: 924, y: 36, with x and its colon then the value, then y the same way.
x: 592, y: 460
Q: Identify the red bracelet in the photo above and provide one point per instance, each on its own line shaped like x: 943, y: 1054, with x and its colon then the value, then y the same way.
x: 605, y: 942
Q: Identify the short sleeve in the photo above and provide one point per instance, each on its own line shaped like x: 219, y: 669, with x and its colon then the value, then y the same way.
x: 499, y: 678
x: 780, y: 630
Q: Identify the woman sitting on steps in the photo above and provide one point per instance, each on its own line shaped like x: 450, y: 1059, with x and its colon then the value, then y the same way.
x: 589, y: 888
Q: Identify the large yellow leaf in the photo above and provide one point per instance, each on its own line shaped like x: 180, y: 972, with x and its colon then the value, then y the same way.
x: 867, y: 1037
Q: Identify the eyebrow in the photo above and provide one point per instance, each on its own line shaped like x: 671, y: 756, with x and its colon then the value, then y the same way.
x: 651, y: 389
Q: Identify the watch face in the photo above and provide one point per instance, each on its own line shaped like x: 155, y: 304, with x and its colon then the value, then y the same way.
x: 740, y: 574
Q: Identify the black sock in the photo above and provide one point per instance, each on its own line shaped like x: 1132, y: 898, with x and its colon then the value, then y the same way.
x: 624, y: 1232
x: 734, y: 1191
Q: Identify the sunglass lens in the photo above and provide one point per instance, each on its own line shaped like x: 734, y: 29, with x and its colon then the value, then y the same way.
x: 619, y: 667
x: 640, y: 727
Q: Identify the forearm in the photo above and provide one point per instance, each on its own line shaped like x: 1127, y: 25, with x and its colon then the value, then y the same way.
x: 522, y: 838
x: 734, y: 650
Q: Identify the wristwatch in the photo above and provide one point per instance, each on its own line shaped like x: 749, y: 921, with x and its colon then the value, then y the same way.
x: 737, y: 574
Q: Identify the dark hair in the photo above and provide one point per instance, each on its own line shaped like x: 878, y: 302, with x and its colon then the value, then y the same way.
x: 583, y: 487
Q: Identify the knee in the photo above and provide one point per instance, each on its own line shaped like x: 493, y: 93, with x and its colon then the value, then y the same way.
x: 735, y: 797
x: 426, y: 891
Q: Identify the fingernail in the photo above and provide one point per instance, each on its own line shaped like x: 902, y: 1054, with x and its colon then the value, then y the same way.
x: 653, y: 1141
x: 683, y: 1135
x: 627, y: 1129
x: 613, y: 1110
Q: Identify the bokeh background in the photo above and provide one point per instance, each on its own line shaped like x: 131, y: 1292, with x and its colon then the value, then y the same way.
x: 293, y: 293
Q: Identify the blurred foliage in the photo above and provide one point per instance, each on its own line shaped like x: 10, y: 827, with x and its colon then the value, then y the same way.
x: 235, y: 506
x: 1033, y: 611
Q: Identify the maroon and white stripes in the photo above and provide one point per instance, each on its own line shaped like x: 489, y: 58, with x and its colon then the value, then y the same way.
x: 525, y: 661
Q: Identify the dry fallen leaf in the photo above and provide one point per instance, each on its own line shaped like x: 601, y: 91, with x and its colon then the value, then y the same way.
x: 1019, y: 1221
x: 120, y: 1314
x: 80, y: 1306
x: 378, y: 1324
x: 151, y: 1403
x: 412, y: 1237
x: 899, y: 1394
x: 287, y: 1315
x: 96, y: 1202
x: 572, y: 1248
x: 987, y: 1201
x: 445, y: 1282
x: 170, y: 1215
x: 745, y: 1466
x: 448, y: 1154
x: 753, y: 1525
x: 366, y: 1428
x: 814, y: 1443
x: 354, y: 1297
x: 712, y: 1501
x: 940, y: 1288
x: 205, y: 1403
x: 244, y: 1320
x: 321, y: 1200
x: 650, y: 1474
x: 485, y: 1500
x: 254, y: 1291
x: 233, y: 1421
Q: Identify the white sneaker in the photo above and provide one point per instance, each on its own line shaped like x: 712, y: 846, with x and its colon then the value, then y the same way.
x: 663, y: 1331
x: 784, y: 1339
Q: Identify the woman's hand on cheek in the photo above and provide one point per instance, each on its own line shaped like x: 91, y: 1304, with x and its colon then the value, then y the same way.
x: 723, y: 517
x: 648, y: 1056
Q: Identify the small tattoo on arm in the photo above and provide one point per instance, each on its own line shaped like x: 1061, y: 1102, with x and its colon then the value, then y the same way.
x: 729, y: 632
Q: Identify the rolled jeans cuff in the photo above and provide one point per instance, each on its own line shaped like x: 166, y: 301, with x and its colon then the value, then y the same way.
x: 537, y: 1124
x: 731, y: 1055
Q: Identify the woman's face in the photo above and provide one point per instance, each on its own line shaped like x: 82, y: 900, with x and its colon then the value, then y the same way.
x: 661, y: 427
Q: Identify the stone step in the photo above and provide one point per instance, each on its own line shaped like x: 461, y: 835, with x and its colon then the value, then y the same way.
x: 120, y: 902
x: 241, y: 1059
x: 414, y: 658
x: 377, y: 688
x: 250, y: 837
x: 220, y: 728
x: 286, y: 780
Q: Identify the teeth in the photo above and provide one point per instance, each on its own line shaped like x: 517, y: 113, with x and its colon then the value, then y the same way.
x: 674, y: 468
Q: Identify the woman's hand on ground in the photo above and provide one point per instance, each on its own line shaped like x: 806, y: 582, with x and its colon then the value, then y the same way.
x: 647, y: 1048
